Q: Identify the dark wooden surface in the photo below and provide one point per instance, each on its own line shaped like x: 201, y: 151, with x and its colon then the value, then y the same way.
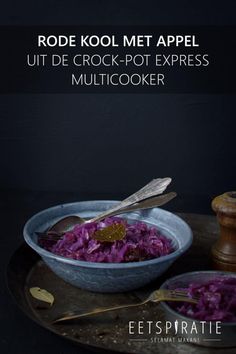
x: 110, y: 331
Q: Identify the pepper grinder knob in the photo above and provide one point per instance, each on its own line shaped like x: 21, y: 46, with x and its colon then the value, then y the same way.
x: 224, y: 250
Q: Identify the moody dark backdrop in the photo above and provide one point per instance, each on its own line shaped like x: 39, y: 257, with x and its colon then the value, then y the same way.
x: 57, y: 148
x: 107, y: 146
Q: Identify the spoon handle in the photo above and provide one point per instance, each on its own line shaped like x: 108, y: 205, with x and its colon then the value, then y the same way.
x: 153, y: 188
x: 146, y: 204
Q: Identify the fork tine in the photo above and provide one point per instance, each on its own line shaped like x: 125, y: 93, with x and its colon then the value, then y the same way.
x: 188, y: 297
x: 181, y: 299
x: 182, y: 293
x: 48, y: 236
x: 172, y: 295
x: 177, y: 291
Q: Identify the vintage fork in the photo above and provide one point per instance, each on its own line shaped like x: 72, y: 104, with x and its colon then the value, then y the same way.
x: 146, y: 204
x: 155, y: 296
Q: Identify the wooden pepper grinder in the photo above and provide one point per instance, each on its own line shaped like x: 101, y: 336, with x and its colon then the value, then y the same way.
x: 224, y: 251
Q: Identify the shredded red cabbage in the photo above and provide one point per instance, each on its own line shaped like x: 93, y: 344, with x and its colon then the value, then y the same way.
x: 141, y: 242
x: 217, y: 300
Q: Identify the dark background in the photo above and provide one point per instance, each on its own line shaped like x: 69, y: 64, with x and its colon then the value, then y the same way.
x: 58, y: 148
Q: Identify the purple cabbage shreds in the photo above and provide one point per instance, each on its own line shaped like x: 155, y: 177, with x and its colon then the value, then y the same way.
x: 217, y: 300
x: 141, y: 242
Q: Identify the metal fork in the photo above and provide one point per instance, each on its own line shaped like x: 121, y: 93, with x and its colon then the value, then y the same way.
x: 57, y: 231
x: 155, y: 296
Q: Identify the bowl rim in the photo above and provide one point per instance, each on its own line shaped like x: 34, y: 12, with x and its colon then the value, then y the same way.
x: 44, y: 253
x: 166, y: 307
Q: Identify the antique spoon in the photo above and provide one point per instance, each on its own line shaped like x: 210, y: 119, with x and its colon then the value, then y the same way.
x: 65, y: 224
x: 153, y: 188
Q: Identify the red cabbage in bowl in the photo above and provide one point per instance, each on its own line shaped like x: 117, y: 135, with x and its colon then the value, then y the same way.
x: 217, y: 300
x: 141, y: 242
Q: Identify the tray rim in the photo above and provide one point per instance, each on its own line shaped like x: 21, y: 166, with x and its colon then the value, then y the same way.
x: 24, y: 248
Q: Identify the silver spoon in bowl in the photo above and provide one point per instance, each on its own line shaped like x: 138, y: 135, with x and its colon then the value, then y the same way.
x: 137, y: 201
x: 57, y: 230
x: 153, y: 188
x: 66, y: 223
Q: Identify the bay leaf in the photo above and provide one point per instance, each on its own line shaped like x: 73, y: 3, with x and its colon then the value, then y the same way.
x: 42, y: 295
x: 110, y: 233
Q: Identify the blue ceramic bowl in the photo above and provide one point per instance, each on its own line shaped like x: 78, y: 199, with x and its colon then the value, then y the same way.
x: 208, y: 337
x: 109, y: 277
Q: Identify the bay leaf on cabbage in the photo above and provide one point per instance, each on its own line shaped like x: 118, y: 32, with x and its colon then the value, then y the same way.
x: 111, y: 233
